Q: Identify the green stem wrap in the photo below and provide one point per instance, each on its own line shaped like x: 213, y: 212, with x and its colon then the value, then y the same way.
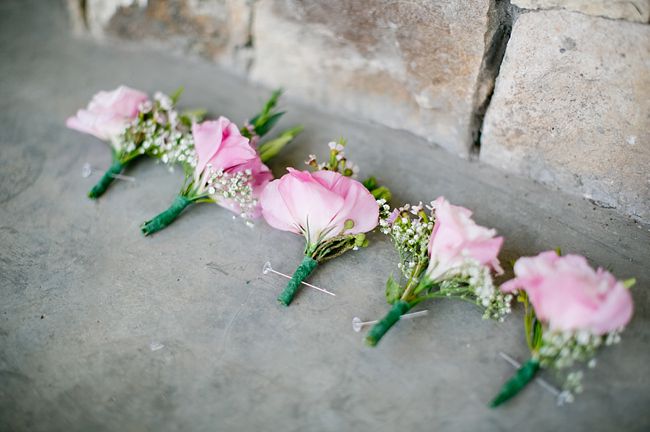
x: 514, y: 385
x: 103, y: 183
x: 305, y: 268
x: 168, y: 216
x: 378, y: 331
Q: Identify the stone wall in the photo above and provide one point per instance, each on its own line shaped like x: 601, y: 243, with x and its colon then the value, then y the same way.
x: 571, y: 106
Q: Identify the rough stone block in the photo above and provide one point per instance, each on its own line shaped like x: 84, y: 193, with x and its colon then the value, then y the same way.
x: 216, y: 29
x: 409, y: 65
x: 571, y: 108
x: 631, y: 10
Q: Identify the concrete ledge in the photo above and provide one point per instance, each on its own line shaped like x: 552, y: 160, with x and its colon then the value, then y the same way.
x: 104, y: 330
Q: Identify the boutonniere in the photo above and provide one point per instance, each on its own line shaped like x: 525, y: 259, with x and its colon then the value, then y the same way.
x: 224, y: 164
x: 328, y: 207
x: 571, y: 310
x: 134, y: 125
x: 443, y: 254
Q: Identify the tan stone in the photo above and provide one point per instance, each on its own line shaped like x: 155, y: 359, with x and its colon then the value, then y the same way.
x: 631, y: 10
x: 571, y: 108
x: 216, y: 29
x: 76, y: 14
x: 410, y: 65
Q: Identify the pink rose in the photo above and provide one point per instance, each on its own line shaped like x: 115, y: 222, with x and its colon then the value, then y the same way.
x: 220, y: 144
x: 108, y: 113
x: 570, y: 295
x: 318, y: 205
x: 456, y: 238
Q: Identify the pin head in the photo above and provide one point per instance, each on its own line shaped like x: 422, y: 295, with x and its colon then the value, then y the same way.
x: 86, y: 170
x: 356, y: 324
x: 267, y: 268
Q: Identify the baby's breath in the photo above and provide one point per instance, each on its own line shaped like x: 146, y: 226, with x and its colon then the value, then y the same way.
x: 337, y: 160
x: 235, y: 188
x: 409, y: 228
x: 561, y: 350
x: 159, y: 132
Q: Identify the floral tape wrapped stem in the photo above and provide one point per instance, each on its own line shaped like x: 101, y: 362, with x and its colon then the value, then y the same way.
x: 168, y: 216
x: 303, y: 271
x: 223, y: 169
x: 108, y: 177
x: 443, y: 254
x: 571, y: 310
x: 394, y: 314
x: 107, y: 117
x: 514, y: 385
x: 332, y: 211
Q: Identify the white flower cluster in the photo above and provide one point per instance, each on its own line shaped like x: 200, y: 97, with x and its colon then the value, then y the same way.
x: 409, y: 228
x: 159, y: 132
x: 479, y: 279
x: 235, y: 188
x: 480, y: 287
x: 563, y: 349
x: 337, y: 161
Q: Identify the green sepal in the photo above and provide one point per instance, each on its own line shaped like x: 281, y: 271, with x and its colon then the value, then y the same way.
x: 336, y: 246
x: 514, y: 385
x: 305, y: 268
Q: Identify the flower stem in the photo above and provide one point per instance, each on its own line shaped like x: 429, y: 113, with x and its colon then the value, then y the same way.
x: 305, y: 268
x: 514, y: 385
x: 377, y: 331
x: 103, y: 183
x: 168, y: 216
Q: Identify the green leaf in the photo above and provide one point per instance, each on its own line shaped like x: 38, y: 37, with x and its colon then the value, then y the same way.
x: 272, y: 102
x: 265, y: 126
x: 261, y: 117
x: 177, y: 95
x: 270, y: 149
x: 194, y: 115
x: 629, y: 283
x: 393, y: 290
x: 382, y: 192
x: 185, y: 120
x: 379, y: 192
x: 537, y: 334
x: 425, y: 284
x: 370, y: 183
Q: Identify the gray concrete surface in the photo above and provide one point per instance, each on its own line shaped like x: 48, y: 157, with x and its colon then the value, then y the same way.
x: 84, y: 295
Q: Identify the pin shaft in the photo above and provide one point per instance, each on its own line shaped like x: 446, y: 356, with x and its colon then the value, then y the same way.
x: 357, y: 324
x: 267, y: 268
x: 87, y: 170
